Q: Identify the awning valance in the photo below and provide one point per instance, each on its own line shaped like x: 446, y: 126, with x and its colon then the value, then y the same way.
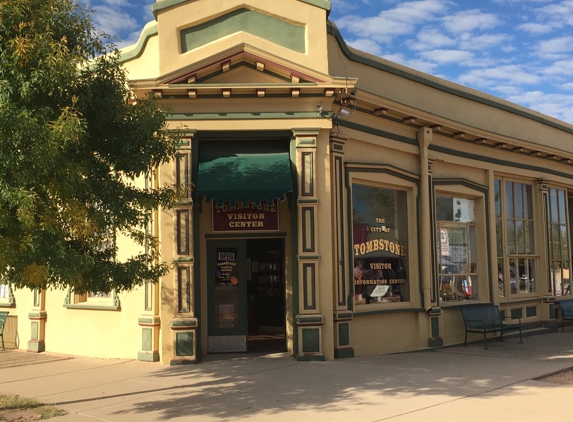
x: 231, y: 171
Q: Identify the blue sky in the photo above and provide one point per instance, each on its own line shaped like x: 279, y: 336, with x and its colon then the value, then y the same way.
x: 518, y: 50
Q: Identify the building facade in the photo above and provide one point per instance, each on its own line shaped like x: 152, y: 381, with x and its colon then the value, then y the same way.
x: 339, y: 204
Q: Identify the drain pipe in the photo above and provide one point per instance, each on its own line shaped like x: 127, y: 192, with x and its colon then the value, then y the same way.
x: 424, y: 141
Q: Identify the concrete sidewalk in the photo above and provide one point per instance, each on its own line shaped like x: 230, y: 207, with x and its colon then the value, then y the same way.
x: 469, y: 383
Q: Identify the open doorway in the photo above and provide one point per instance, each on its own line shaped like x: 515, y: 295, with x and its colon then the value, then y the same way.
x: 265, y: 295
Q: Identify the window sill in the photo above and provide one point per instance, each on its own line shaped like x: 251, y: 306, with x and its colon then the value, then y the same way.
x: 7, y: 305
x: 93, y: 307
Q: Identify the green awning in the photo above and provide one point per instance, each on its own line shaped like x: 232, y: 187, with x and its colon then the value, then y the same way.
x: 231, y: 171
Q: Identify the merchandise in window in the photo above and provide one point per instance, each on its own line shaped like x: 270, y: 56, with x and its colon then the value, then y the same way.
x: 456, y: 248
x: 517, y: 261
x: 558, y: 237
x: 380, y: 246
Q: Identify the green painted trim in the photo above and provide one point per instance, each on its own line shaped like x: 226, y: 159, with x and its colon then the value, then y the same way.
x: 353, y: 167
x: 309, y: 284
x: 242, y: 115
x: 309, y: 257
x: 149, y: 30
x: 416, y: 76
x: 182, y: 260
x: 308, y: 201
x: 147, y: 321
x: 338, y: 147
x: 307, y: 167
x: 184, y: 323
x: 147, y: 339
x: 344, y: 334
x: 165, y: 4
x: 178, y: 362
x: 310, y: 340
x: 435, y: 342
x: 38, y: 315
x: 184, y: 344
x: 358, y: 313
x: 270, y: 28
x: 323, y: 4
x: 461, y: 181
x: 530, y: 311
x: 344, y: 353
x: 244, y: 134
x: 294, y: 242
x: 516, y: 313
x: 93, y: 307
x: 347, y: 315
x: 196, y: 212
x: 312, y: 131
x: 310, y: 358
x: 308, y: 228
x: 435, y: 325
x: 338, y: 188
x: 309, y: 320
x: 144, y: 356
x: 36, y: 346
x: 447, y: 306
x: 376, y: 132
x: 514, y: 302
x: 307, y: 142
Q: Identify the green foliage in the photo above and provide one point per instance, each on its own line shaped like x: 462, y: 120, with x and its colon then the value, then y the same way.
x: 74, y: 152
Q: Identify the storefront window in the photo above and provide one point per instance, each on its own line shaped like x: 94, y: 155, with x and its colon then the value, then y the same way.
x: 558, y: 234
x: 515, y: 242
x: 380, y: 246
x: 456, y: 249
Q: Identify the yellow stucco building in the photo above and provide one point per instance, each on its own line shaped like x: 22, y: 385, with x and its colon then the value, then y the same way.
x: 341, y: 205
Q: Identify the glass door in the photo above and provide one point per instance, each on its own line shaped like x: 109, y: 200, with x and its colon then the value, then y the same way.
x: 227, y: 296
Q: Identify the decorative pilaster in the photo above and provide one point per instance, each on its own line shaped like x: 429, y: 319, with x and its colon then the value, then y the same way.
x: 184, y: 341
x: 309, y: 319
x: 343, y: 291
x: 37, y: 318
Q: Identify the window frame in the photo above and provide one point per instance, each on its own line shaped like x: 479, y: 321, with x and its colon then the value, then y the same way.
x: 384, y: 180
x: 550, y: 243
x: 8, y: 301
x: 504, y: 258
x: 75, y: 301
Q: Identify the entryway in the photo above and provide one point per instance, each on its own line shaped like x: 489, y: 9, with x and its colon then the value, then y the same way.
x: 246, y: 291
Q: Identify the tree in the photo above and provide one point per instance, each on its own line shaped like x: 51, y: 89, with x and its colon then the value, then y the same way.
x: 73, y: 147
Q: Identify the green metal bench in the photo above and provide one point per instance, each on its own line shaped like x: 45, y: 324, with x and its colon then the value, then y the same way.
x: 484, y: 319
x: 3, y: 317
x: 566, y: 307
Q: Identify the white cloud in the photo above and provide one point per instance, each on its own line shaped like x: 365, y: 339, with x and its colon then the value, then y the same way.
x: 561, y: 67
x: 567, y: 86
x: 483, y: 42
x: 468, y: 20
x: 366, y: 45
x: 557, y: 105
x: 447, y: 56
x: 113, y: 21
x: 555, y: 48
x: 557, y: 14
x: 535, y: 28
x: 400, y: 20
x: 429, y: 38
x: 421, y: 65
x: 490, y: 77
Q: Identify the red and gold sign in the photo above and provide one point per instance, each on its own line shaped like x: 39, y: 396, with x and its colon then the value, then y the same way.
x: 249, y: 216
